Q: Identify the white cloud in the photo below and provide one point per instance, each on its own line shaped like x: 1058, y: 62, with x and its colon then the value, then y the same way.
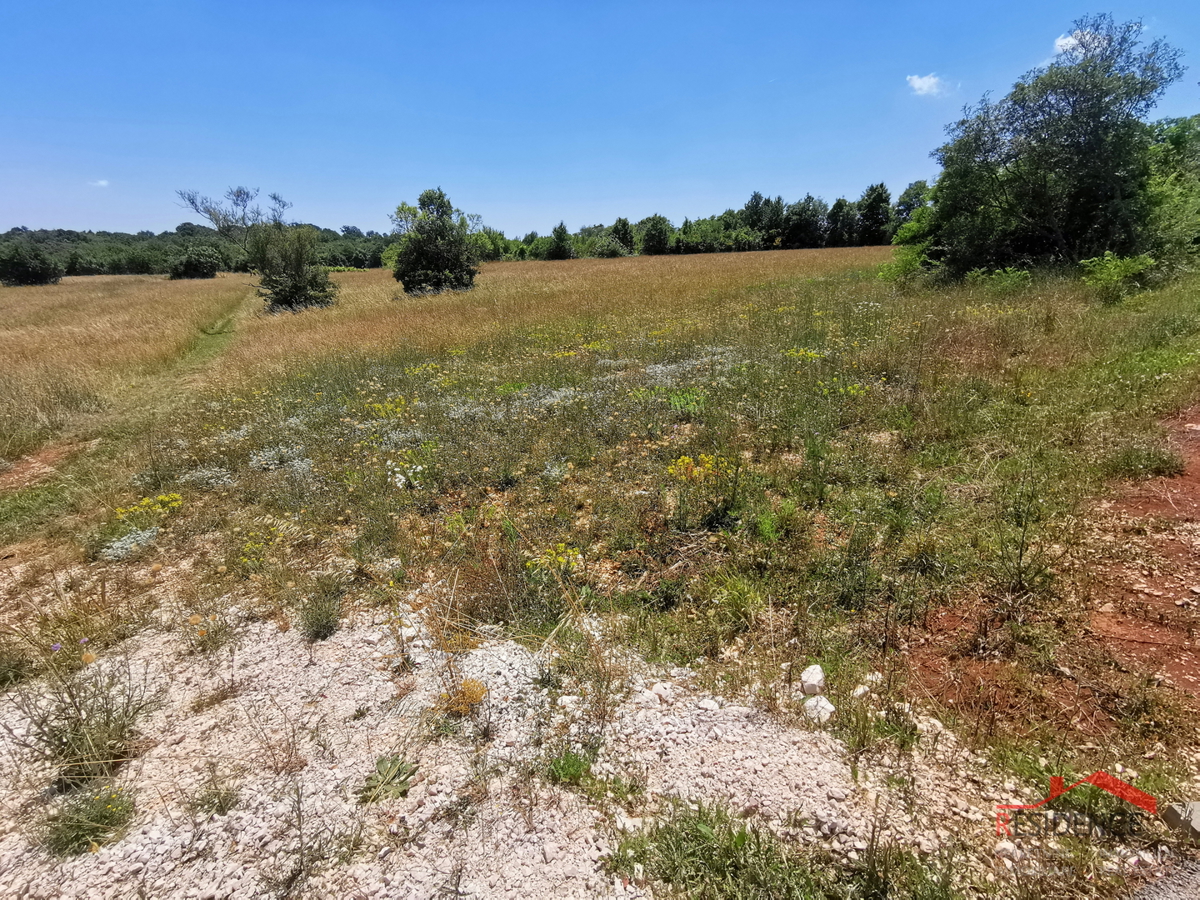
x: 103, y: 182
x: 1066, y: 42
x: 926, y: 85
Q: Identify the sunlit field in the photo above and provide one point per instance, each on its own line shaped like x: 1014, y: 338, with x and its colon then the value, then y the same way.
x: 739, y: 464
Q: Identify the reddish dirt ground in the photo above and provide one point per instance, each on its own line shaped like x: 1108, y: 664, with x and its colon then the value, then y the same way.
x: 33, y: 468
x: 1146, y: 591
x: 1139, y: 587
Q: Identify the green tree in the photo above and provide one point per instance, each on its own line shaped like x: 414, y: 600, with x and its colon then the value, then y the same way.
x: 912, y: 198
x: 23, y: 262
x: 436, y: 252
x: 1058, y: 169
x: 285, y: 258
x: 656, y: 235
x: 197, y: 261
x: 622, y: 233
x: 874, y: 226
x: 840, y: 224
x: 804, y: 223
x: 560, y: 246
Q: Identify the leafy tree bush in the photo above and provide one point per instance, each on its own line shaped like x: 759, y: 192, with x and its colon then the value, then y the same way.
x: 874, y: 216
x: 1112, y: 276
x: 560, y: 246
x: 197, y: 261
x: 436, y: 252
x: 285, y: 259
x: 1056, y: 171
x: 656, y: 235
x: 25, y: 263
x: 608, y: 247
x: 622, y: 233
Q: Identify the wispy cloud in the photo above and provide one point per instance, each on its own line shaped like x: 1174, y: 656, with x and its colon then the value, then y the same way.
x: 1066, y: 42
x: 926, y: 85
x: 103, y: 182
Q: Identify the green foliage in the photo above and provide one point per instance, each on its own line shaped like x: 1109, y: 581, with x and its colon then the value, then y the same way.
x: 622, y: 233
x: 656, y: 235
x: 391, y: 779
x: 25, y: 263
x: 608, y: 247
x: 706, y: 853
x: 436, y: 252
x: 560, y: 243
x: 874, y: 225
x: 841, y: 224
x: 321, y: 608
x: 197, y: 261
x: 87, y: 819
x: 1112, y: 277
x: 1057, y: 170
x: 1000, y: 282
x: 85, y: 723
x: 289, y: 276
x: 568, y: 767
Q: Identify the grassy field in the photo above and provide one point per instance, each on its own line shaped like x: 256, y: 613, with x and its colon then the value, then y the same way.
x: 743, y: 463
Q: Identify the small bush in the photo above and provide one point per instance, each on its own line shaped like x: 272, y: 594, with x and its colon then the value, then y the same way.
x: 197, y: 261
x: 1113, y: 277
x: 706, y: 853
x: 23, y: 263
x: 87, y: 820
x: 1001, y: 281
x: 321, y: 610
x: 286, y: 260
x: 86, y: 723
x: 568, y: 767
x: 608, y: 247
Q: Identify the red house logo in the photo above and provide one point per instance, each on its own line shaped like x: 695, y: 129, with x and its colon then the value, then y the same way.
x: 1115, y: 786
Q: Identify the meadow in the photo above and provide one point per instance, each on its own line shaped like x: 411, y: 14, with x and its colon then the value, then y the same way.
x: 741, y: 463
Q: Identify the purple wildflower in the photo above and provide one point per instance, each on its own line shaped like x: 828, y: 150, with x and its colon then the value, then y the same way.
x: 83, y: 640
x: 56, y: 647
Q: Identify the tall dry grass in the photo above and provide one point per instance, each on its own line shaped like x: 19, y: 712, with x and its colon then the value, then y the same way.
x: 373, y: 314
x: 69, y: 348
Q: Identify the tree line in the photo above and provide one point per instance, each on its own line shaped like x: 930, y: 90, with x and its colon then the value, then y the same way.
x: 1066, y: 170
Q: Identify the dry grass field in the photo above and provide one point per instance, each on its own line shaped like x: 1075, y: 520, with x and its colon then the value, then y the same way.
x: 736, y: 465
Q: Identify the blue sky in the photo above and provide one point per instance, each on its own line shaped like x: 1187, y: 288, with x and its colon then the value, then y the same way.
x: 526, y: 113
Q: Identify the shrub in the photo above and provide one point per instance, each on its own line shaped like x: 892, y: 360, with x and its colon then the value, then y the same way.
x: 1112, y: 277
x: 1010, y: 280
x: 197, y: 261
x: 560, y: 246
x: 436, y: 253
x: 656, y: 238
x: 286, y: 260
x: 23, y: 263
x: 88, y: 819
x: 609, y: 247
x: 321, y: 610
x: 84, y: 723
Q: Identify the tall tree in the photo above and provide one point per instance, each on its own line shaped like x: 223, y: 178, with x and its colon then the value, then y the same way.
x: 804, y: 223
x: 840, y: 224
x: 656, y: 235
x: 1057, y: 169
x: 622, y: 233
x: 874, y: 216
x: 436, y: 252
x: 912, y: 198
x: 561, y: 246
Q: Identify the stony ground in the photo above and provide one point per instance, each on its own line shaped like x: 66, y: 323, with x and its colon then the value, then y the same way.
x: 295, y: 730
